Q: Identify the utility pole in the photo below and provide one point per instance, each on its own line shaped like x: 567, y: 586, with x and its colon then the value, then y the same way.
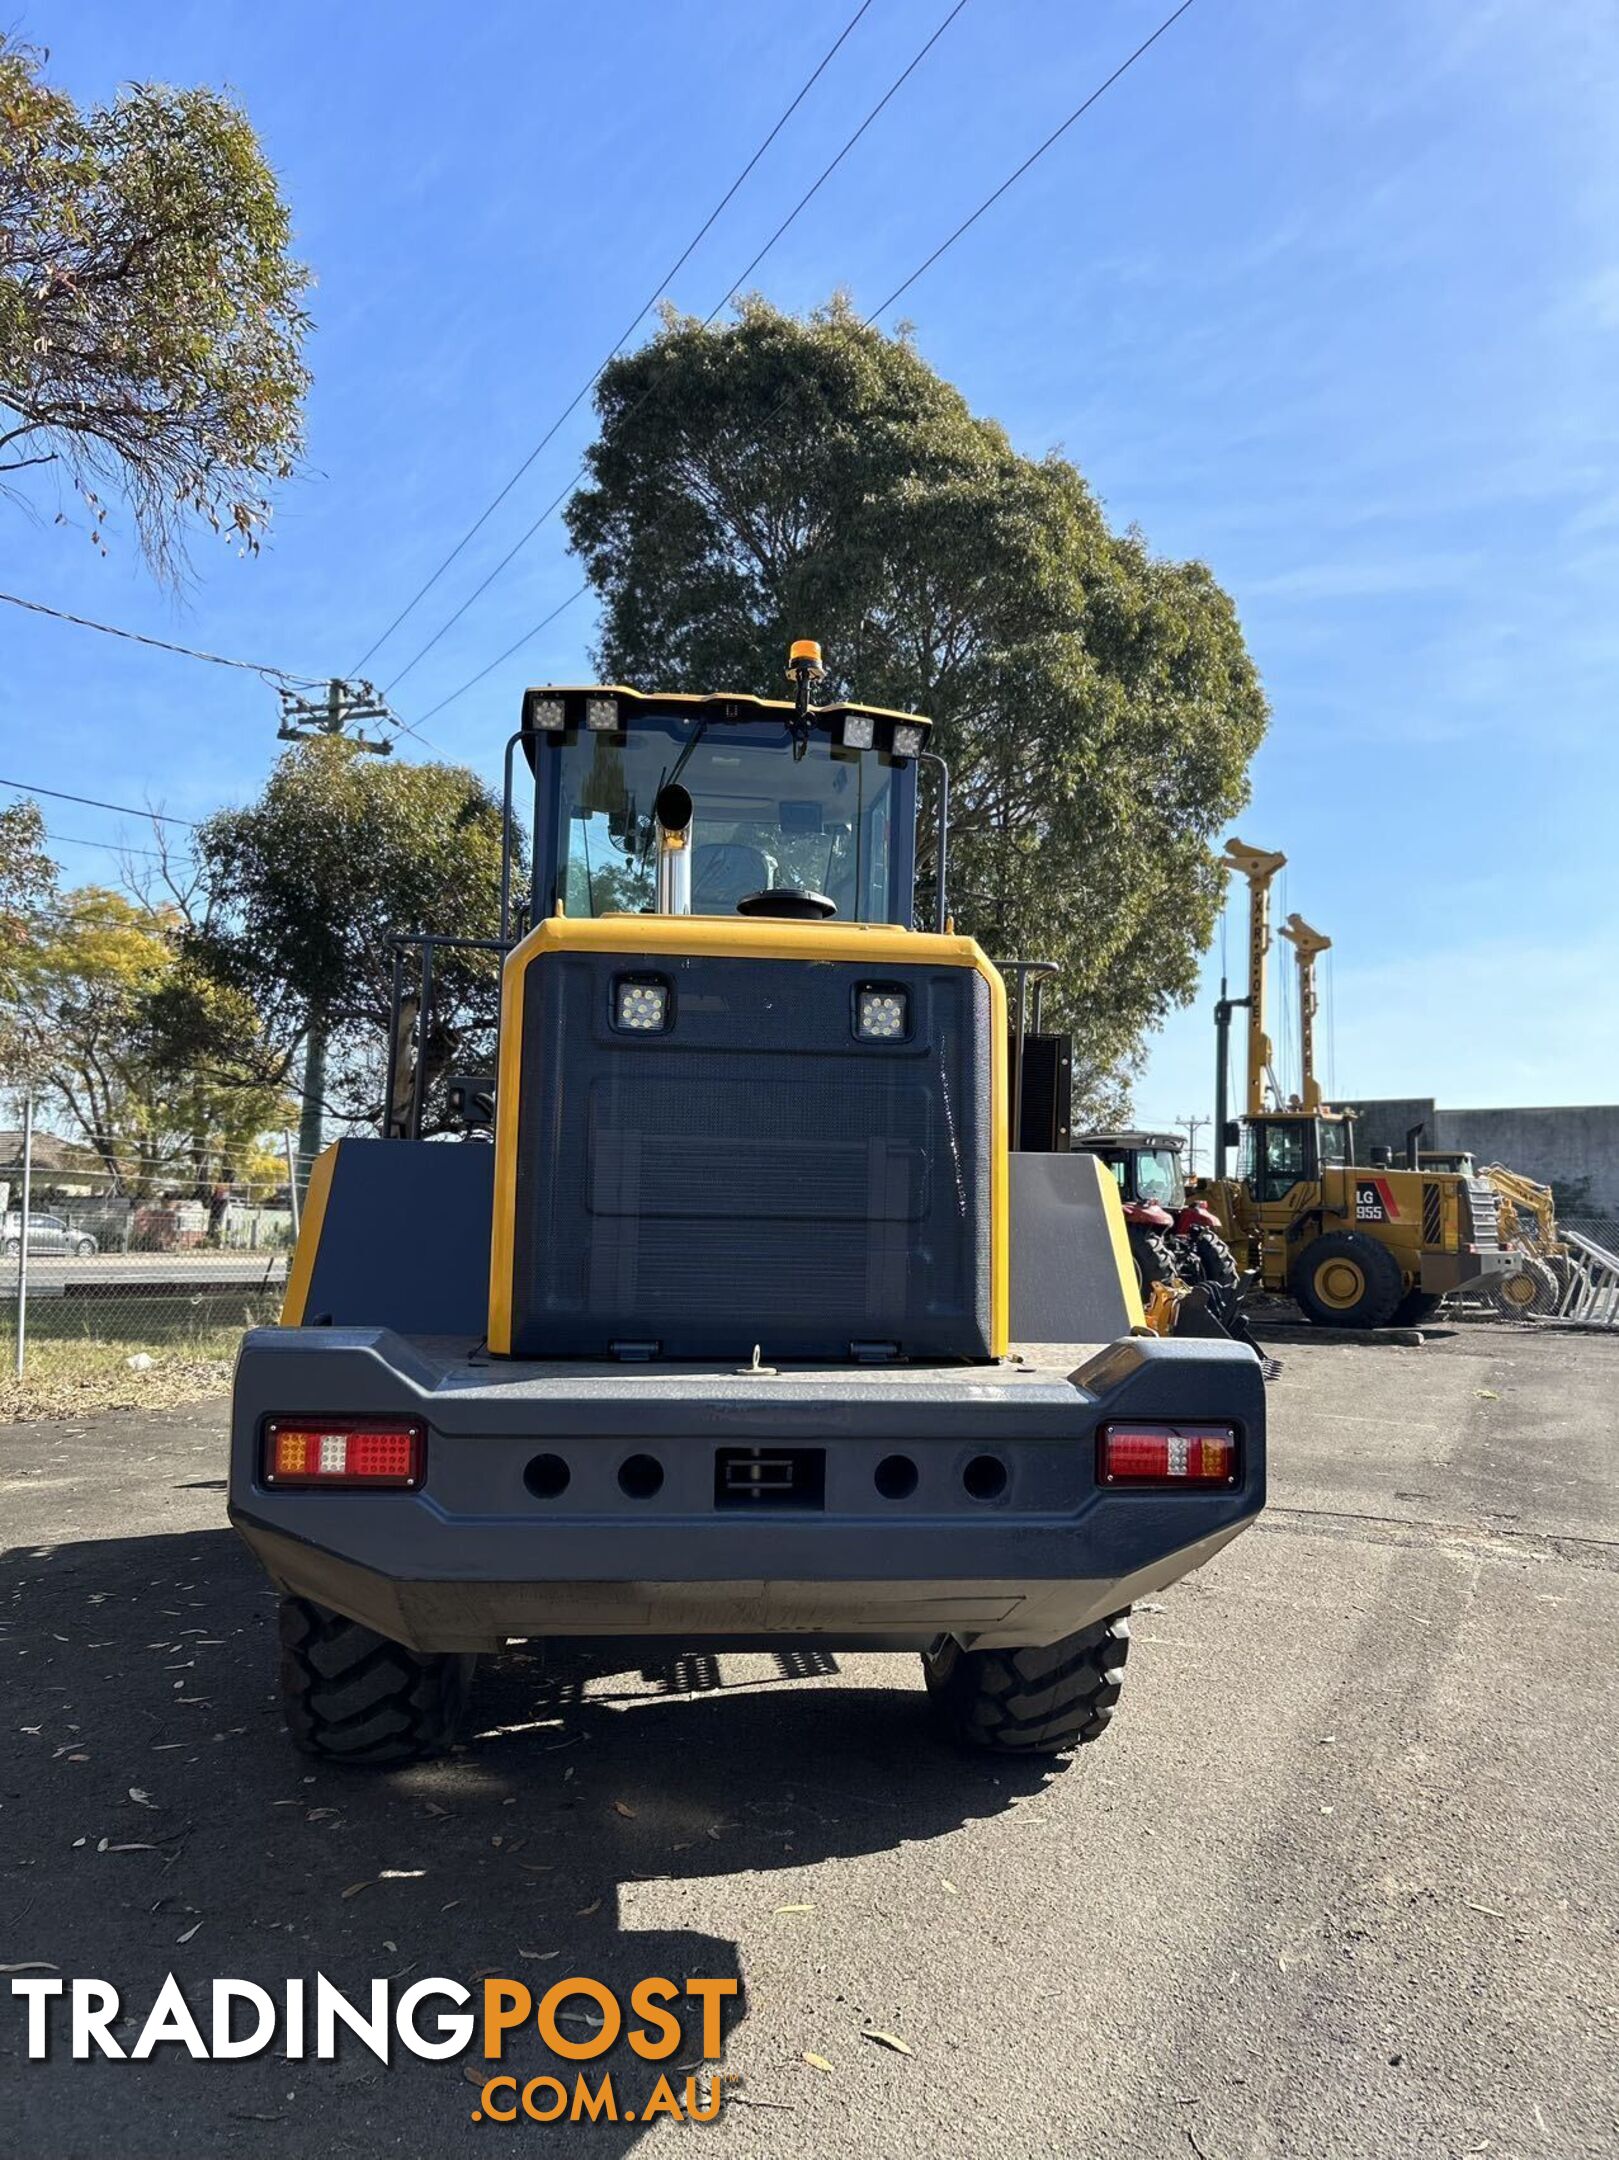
x: 304, y: 719
x: 1194, y: 1126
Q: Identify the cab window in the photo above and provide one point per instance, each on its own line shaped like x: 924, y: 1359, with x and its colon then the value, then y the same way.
x: 1283, y: 1159
x: 1334, y: 1143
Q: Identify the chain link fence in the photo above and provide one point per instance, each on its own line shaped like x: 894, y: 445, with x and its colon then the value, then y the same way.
x: 132, y: 1288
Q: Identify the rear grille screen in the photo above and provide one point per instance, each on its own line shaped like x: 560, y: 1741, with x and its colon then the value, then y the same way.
x: 754, y: 1174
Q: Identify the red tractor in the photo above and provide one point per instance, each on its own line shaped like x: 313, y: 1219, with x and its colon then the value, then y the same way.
x: 1176, y: 1241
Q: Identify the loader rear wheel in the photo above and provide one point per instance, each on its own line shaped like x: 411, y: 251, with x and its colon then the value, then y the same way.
x: 1415, y: 1307
x: 1031, y: 1702
x: 351, y: 1695
x: 1346, y: 1279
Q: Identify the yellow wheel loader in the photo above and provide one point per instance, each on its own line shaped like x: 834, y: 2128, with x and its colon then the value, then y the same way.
x: 750, y: 1328
x: 1355, y: 1246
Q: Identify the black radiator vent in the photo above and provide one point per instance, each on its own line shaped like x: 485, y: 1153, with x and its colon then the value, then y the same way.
x: 752, y: 1172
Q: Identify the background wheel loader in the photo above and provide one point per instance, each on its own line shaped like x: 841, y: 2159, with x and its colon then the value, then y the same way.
x: 751, y: 1328
x: 1354, y: 1246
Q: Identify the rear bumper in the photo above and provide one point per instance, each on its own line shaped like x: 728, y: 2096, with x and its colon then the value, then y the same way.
x: 475, y: 1557
x: 1445, y: 1272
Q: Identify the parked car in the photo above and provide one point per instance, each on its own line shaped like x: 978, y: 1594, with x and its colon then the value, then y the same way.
x: 47, y: 1234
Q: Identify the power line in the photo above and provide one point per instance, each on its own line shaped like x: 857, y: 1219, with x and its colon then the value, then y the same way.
x: 1033, y: 158
x: 735, y: 285
x: 585, y: 389
x: 92, y: 802
x: 472, y: 681
x: 113, y: 847
x: 943, y: 248
x: 139, y: 637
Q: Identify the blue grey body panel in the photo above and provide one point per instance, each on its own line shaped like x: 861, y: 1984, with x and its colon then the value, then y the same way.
x: 1066, y: 1285
x: 475, y: 1556
x: 404, y: 1241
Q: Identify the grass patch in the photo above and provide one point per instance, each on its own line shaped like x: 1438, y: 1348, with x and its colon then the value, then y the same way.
x: 78, y: 1351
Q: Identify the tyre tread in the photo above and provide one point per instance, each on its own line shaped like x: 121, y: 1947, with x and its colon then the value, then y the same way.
x: 351, y: 1695
x: 993, y: 1699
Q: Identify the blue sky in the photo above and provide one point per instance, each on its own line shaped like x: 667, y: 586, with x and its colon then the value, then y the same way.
x: 1327, y: 296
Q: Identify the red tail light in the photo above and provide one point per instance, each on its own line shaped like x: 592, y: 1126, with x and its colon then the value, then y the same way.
x: 1173, y: 1455
x: 344, y: 1451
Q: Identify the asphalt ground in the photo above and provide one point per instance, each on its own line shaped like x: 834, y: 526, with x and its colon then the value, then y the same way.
x: 1340, y: 1880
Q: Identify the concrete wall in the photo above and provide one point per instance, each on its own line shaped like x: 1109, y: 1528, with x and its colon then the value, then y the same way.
x: 1559, y: 1146
x: 1387, y: 1121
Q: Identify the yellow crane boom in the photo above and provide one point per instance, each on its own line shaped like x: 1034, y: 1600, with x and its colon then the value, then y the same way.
x: 1307, y: 944
x: 1259, y: 866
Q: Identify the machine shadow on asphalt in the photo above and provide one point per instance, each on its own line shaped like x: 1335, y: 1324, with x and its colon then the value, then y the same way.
x: 590, y: 1769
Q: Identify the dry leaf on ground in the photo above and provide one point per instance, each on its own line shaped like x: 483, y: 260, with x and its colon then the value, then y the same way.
x: 887, y: 2040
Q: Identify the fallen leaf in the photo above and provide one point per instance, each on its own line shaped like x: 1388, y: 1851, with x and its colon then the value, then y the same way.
x: 795, y: 1908
x: 621, y: 1807
x: 355, y: 1888
x: 817, y: 2062
x: 190, y: 1931
x: 142, y: 1799
x: 30, y: 1965
x: 946, y: 1884
x: 540, y: 1956
x: 473, y: 2073
x: 1486, y: 1394
x: 402, y: 1874
x: 585, y: 1911
x: 432, y: 1808
x: 887, y: 2040
x: 105, y: 1847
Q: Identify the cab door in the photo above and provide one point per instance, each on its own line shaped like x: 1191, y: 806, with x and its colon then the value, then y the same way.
x: 1284, y: 1165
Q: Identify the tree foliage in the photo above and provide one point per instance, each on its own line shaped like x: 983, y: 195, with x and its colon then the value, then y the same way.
x: 150, y: 311
x: 79, y: 1021
x: 27, y: 878
x: 786, y: 477
x: 303, y: 890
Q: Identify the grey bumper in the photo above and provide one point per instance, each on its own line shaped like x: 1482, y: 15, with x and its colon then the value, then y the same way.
x: 475, y: 1557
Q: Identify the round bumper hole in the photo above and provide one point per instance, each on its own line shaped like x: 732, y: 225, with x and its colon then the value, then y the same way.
x: 640, y: 1477
x: 895, y: 1477
x: 547, y: 1477
x: 985, y: 1477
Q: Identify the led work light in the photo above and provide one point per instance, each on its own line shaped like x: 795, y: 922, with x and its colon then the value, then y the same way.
x: 642, y: 1007
x: 881, y: 1015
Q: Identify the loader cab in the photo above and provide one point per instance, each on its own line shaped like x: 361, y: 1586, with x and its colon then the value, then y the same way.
x: 810, y: 812
x: 1292, y: 1149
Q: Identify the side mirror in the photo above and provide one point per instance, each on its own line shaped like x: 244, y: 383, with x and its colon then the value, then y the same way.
x: 1232, y: 1135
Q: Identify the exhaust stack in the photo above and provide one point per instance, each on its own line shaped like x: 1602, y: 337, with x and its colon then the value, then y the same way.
x: 673, y: 814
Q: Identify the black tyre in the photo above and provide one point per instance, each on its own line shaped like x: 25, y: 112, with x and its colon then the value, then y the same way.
x: 1031, y: 1702
x: 1216, y: 1260
x: 1346, y: 1279
x: 1154, y: 1259
x: 1415, y: 1307
x: 1532, y: 1287
x: 351, y: 1695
